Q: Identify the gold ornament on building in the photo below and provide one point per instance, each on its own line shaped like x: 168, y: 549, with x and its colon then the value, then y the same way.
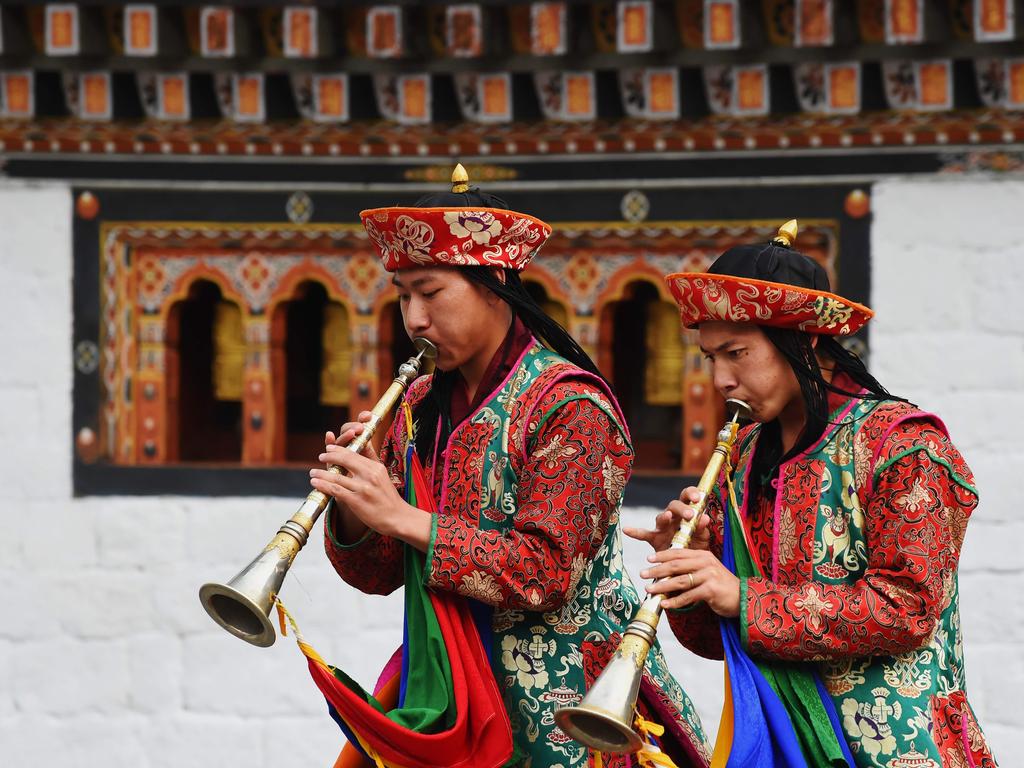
x: 635, y: 206
x: 87, y: 206
x: 787, y: 234
x: 663, y: 374
x: 460, y: 179
x: 228, y: 351
x: 439, y: 174
x: 857, y: 204
x: 337, y: 356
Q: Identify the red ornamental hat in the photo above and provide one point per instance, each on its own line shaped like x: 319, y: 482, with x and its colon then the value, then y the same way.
x: 767, y: 284
x: 463, y: 233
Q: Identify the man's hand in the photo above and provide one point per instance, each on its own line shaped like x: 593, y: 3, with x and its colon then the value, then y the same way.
x: 667, y: 524
x: 364, y: 493
x: 690, y: 577
x: 350, y: 430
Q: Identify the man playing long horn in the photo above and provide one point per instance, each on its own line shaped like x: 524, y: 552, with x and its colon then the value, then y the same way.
x: 526, y: 453
x: 826, y: 573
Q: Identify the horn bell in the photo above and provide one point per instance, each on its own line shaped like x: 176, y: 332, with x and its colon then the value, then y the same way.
x: 243, y: 605
x: 603, y: 720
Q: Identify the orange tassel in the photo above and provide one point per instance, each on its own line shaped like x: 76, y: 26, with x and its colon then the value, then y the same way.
x: 280, y: 618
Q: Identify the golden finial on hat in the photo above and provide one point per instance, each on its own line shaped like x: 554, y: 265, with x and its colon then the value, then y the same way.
x: 787, y: 233
x: 460, y: 179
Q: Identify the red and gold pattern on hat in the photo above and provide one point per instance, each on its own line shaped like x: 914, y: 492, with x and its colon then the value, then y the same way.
x: 486, y: 237
x: 703, y: 297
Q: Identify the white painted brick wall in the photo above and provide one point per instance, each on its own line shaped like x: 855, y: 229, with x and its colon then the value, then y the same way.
x: 947, y: 281
x: 106, y: 657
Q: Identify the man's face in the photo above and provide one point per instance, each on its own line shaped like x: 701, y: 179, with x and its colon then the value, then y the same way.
x: 747, y: 366
x: 443, y: 306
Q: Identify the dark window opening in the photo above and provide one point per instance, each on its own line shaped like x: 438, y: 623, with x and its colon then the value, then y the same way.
x: 554, y: 309
x: 309, y: 412
x: 395, y: 347
x: 397, y: 341
x: 655, y: 427
x: 210, y: 428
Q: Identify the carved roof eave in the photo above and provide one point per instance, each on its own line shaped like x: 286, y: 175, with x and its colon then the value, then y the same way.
x: 223, y: 139
x: 568, y: 238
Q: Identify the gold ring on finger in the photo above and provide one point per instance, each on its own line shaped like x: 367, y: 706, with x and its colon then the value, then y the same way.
x: 691, y: 580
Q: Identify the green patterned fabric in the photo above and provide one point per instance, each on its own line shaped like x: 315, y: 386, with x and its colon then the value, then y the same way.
x: 539, y: 658
x: 896, y: 710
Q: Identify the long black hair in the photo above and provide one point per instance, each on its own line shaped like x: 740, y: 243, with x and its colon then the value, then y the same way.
x: 777, y: 263
x: 434, y: 410
x: 797, y: 349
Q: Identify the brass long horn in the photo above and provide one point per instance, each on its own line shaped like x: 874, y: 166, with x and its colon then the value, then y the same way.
x: 603, y: 720
x: 243, y: 605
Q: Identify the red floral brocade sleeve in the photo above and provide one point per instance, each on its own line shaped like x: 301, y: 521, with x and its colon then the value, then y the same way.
x: 568, y: 489
x: 374, y: 564
x: 915, y: 520
x: 697, y: 627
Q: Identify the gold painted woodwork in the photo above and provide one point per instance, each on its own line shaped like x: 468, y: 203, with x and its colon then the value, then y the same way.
x: 336, y: 373
x: 663, y: 375
x: 228, y: 351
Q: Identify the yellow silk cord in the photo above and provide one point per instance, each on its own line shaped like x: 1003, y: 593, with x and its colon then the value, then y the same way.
x: 282, y: 623
x: 407, y: 413
x: 307, y: 650
x: 646, y: 727
x: 649, y: 754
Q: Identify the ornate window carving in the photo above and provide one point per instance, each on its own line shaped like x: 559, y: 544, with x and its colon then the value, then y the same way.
x: 229, y: 349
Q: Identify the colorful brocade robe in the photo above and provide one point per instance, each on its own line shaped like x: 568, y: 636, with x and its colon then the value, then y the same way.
x: 859, y: 554
x: 529, y: 489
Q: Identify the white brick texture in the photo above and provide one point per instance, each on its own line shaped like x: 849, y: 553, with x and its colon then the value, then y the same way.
x: 106, y: 657
x: 947, y: 277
